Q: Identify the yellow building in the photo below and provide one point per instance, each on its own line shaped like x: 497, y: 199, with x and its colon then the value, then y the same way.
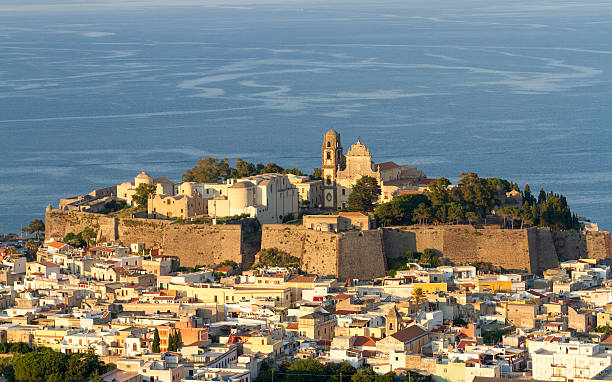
x: 494, y: 285
x: 50, y: 337
x: 318, y: 326
x: 179, y: 206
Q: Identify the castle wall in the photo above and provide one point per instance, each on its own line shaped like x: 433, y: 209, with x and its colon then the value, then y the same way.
x: 344, y: 255
x: 599, y: 245
x: 361, y: 255
x: 317, y: 250
x: 194, y: 244
x: 462, y: 244
x: 542, y: 252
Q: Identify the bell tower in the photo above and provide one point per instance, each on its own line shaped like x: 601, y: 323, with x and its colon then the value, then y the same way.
x: 331, y: 159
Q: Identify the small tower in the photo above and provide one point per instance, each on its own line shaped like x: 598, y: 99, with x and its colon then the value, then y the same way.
x: 394, y: 321
x: 331, y: 160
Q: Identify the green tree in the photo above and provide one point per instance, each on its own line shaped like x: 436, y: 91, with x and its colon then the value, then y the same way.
x: 317, y: 174
x: 87, y: 234
x: 36, y: 227
x: 171, y: 342
x: 271, y: 168
x: 273, y: 257
x: 456, y: 212
x: 421, y: 214
x: 143, y: 192
x: 294, y: 171
x: 364, y: 193
x: 243, y: 169
x: 74, y: 240
x: 437, y: 192
x: 178, y: 341
x: 156, y: 341
x: 208, y: 170
x: 32, y: 248
x: 306, y: 370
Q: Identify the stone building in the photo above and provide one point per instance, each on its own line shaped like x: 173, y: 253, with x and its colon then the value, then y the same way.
x: 270, y: 198
x: 341, y: 172
x: 344, y: 221
x: 126, y: 190
x: 176, y: 206
x: 310, y: 192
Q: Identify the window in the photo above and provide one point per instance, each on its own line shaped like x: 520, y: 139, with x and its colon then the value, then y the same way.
x: 328, y: 155
x: 328, y: 144
x: 329, y: 180
x: 344, y: 191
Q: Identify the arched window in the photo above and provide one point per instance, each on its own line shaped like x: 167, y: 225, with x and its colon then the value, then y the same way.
x: 328, y: 155
x: 328, y: 144
x: 328, y: 180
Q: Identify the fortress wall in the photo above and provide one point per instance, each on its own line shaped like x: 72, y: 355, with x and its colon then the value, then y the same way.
x: 59, y: 223
x: 462, y: 244
x: 195, y: 244
x: 570, y: 245
x: 318, y: 250
x: 599, y: 245
x: 542, y: 252
x: 361, y: 255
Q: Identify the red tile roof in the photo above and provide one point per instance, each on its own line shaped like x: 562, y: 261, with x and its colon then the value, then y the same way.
x: 56, y: 244
x: 302, y: 279
x: 387, y: 165
x: 364, y: 341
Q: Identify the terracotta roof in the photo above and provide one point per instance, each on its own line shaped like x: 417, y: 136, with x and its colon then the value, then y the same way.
x: 408, y: 334
x: 343, y: 312
x: 386, y: 166
x: 302, y: 279
x: 49, y: 264
x: 463, y: 344
x: 293, y: 326
x: 224, y: 269
x: 364, y: 341
x: 56, y: 244
x: 608, y: 339
x: 341, y: 297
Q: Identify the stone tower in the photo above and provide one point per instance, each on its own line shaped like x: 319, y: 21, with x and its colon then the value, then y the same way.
x: 331, y: 160
x: 394, y: 321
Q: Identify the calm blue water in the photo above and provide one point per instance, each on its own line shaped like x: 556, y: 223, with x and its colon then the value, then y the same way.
x: 92, y: 95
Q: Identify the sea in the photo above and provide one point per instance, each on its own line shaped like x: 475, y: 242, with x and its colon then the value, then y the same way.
x: 92, y: 93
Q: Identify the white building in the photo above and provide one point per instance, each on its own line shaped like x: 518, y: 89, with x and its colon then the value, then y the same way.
x: 569, y: 361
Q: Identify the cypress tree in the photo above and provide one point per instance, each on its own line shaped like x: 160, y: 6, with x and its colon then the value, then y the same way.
x: 155, y: 345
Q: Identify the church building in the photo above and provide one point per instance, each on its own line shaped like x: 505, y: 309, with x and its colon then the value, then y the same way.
x: 340, y: 172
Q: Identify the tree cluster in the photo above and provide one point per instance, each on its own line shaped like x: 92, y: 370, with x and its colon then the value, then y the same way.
x: 472, y: 200
x: 81, y: 239
x: 273, y: 257
x: 46, y: 365
x: 214, y: 170
x: 307, y: 370
x: 174, y: 341
x: 429, y: 257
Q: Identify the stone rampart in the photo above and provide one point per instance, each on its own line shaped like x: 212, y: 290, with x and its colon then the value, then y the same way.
x: 345, y: 255
x: 194, y: 244
x: 532, y: 249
